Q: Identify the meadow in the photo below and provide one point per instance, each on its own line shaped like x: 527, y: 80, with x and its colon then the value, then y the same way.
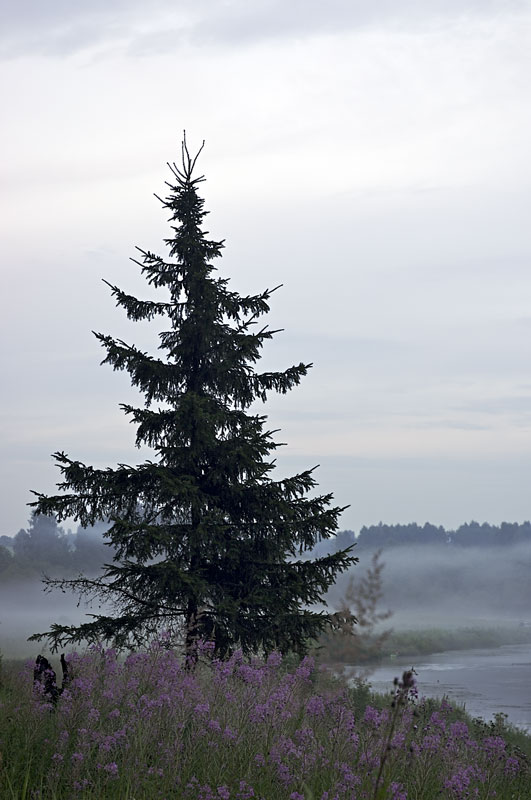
x: 147, y: 726
x: 425, y: 641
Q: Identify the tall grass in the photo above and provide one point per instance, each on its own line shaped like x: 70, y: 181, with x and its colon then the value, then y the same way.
x: 367, y: 648
x: 425, y: 641
x: 147, y: 727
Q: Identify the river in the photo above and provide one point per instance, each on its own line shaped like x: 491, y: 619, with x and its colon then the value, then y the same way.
x: 486, y: 682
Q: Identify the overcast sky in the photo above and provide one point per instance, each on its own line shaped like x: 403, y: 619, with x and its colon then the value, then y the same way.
x: 371, y: 157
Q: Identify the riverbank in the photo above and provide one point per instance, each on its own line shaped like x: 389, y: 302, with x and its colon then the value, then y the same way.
x: 486, y: 682
x: 427, y: 641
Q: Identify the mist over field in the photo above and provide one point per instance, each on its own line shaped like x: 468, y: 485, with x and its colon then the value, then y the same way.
x: 448, y: 587
x: 26, y: 609
x: 438, y: 584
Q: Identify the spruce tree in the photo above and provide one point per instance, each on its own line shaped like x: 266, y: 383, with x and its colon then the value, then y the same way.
x: 205, y: 540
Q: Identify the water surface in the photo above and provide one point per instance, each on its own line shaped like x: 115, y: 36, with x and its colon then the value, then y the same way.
x: 486, y: 682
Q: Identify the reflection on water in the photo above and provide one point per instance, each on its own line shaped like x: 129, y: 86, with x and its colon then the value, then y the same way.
x: 486, y: 682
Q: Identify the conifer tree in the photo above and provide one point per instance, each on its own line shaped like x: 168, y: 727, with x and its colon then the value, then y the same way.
x: 204, y: 539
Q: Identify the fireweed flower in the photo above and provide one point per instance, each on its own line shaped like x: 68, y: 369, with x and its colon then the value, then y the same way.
x: 274, y: 660
x: 230, y: 734
x: 348, y: 778
x: 494, y: 746
x: 206, y: 647
x: 80, y: 785
x: 155, y: 771
x: 459, y: 730
x: 431, y: 742
x: 209, y: 722
x: 398, y: 740
x: 438, y: 721
x: 460, y: 782
x: 246, y: 791
x: 284, y: 775
x: 370, y: 760
x: 397, y: 791
x: 111, y: 769
x: 192, y: 784
x: 252, y: 675
x: 315, y: 706
x: 375, y: 717
x: 512, y: 766
x: 305, y: 668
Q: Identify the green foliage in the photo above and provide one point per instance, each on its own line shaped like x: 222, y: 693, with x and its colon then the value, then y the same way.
x: 202, y: 534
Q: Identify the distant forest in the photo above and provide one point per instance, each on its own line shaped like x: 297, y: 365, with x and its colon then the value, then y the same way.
x: 46, y: 547
x: 471, y: 534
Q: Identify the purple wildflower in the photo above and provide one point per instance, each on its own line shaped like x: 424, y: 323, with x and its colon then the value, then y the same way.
x: 494, y: 746
x: 375, y: 717
x: 246, y: 791
x: 111, y: 769
x: 512, y: 766
x: 397, y: 791
x: 459, y: 730
x: 305, y: 668
x: 229, y: 733
x: 274, y: 660
x: 438, y: 721
x: 315, y: 706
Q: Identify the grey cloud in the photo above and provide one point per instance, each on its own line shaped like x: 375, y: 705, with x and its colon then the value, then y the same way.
x: 451, y: 424
x: 245, y: 22
x: 330, y: 350
x: 517, y: 406
x: 59, y: 27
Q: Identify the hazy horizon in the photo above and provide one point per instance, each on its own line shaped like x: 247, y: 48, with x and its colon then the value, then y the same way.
x: 425, y: 587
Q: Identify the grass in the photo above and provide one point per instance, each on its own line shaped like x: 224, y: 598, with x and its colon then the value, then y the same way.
x: 145, y: 727
x: 436, y: 640
x: 368, y: 647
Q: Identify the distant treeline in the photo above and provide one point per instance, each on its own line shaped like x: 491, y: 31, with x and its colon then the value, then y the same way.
x: 471, y: 534
x: 46, y: 547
